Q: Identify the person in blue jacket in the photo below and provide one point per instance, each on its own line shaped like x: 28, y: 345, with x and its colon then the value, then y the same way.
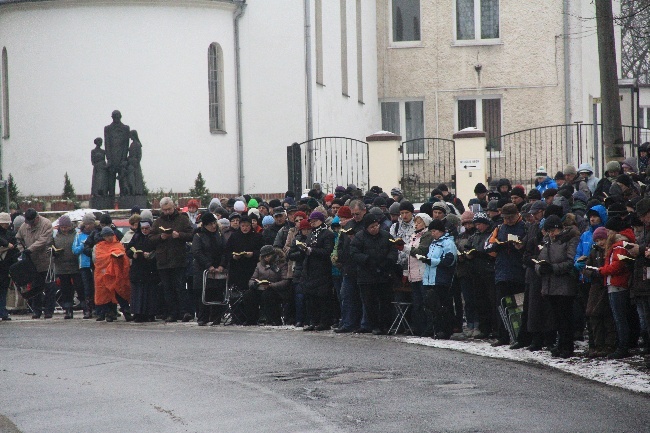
x: 544, y: 182
x: 85, y: 262
x: 438, y: 276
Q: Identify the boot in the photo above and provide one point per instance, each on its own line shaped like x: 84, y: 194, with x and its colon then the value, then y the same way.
x: 68, y: 313
x: 127, y: 316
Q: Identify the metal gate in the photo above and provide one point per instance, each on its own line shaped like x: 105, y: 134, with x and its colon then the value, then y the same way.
x: 330, y: 161
x: 426, y: 163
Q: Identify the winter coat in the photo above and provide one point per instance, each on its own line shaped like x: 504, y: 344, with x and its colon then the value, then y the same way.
x: 603, y: 187
x: 641, y: 285
x: 617, y: 271
x: 297, y: 257
x: 465, y: 267
x: 8, y: 237
x: 532, y: 242
x: 597, y: 302
x: 509, y: 260
x: 317, y: 267
x: 560, y: 253
x: 404, y: 231
x: 142, y: 269
x: 172, y: 253
x: 586, y: 241
x: 281, y: 238
x: 38, y: 240
x: 482, y: 262
x: 443, y: 256
x: 207, y: 250
x: 271, y: 232
x: 78, y: 247
x: 347, y: 233
x: 546, y: 184
x: 274, y: 272
x: 375, y: 257
x: 240, y: 270
x: 65, y: 261
x: 415, y: 266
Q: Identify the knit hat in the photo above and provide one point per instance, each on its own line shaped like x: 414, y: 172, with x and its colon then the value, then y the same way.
x: 553, y: 210
x: 559, y: 176
x: 437, y: 225
x: 207, y: 218
x: 436, y: 192
x: 6, y: 219
x: 393, y: 209
x: 534, y: 194
x: 239, y: 206
x: 214, y: 204
x: 616, y: 224
x: 64, y: 221
x: 599, y: 233
x: 18, y: 221
x: 328, y: 197
x: 440, y: 205
x: 395, y: 191
x: 406, y: 205
x: 304, y: 225
x: 643, y: 207
x: 344, y: 212
x: 376, y: 211
x: 88, y: 218
x: 426, y: 219
x: 369, y: 219
x: 481, y: 217
x: 569, y: 169
x: 518, y: 192
x: 550, y: 192
x: 379, y: 201
x: 493, y: 195
x: 106, y: 231
x: 145, y: 215
x: 442, y: 187
x: 268, y: 221
x: 254, y: 212
x: 580, y: 196
x: 624, y: 179
x: 336, y: 221
x: 480, y: 189
x: 467, y: 217
x: 613, y: 166
x: 223, y: 222
x: 252, y: 203
x: 509, y: 209
x: 244, y: 219
x: 317, y: 216
x: 541, y: 171
x: 553, y: 222
x: 266, y: 250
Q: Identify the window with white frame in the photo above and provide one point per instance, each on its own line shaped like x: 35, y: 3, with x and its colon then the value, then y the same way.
x: 476, y: 20
x: 215, y: 88
x: 483, y: 113
x: 644, y: 122
x: 407, y: 116
x: 4, y: 81
x: 405, y: 15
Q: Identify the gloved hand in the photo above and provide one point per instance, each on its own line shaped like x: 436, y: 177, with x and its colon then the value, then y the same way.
x: 424, y: 259
x: 580, y: 265
x: 545, y: 269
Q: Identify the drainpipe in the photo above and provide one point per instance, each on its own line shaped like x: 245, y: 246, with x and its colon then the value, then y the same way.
x: 241, y: 5
x: 308, y: 70
x: 567, y: 81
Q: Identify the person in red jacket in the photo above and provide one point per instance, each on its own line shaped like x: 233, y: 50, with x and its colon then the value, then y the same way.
x: 617, y: 271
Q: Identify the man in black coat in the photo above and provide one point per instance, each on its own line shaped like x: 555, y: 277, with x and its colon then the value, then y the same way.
x: 317, y: 274
x: 375, y: 257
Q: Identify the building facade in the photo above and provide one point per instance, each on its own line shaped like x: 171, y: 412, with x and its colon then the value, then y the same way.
x: 171, y: 68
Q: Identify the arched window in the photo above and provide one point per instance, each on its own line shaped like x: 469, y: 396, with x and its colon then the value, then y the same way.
x: 4, y: 78
x: 215, y: 87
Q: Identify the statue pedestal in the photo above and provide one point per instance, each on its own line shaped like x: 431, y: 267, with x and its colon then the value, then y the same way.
x: 129, y: 201
x: 102, y: 202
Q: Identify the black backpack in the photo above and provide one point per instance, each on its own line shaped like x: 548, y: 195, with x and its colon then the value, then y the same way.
x: 23, y: 271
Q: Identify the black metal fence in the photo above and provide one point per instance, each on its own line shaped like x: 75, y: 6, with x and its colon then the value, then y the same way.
x: 331, y: 161
x: 518, y: 155
x: 426, y: 163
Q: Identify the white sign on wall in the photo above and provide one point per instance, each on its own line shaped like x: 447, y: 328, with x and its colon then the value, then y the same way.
x: 470, y: 164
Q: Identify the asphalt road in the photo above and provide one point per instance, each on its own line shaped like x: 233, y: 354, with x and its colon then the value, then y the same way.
x: 84, y: 376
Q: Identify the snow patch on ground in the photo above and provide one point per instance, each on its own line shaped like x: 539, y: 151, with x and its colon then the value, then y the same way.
x: 610, y: 372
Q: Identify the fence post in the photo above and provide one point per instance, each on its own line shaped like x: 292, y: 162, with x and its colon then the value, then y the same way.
x: 384, y: 160
x: 470, y: 161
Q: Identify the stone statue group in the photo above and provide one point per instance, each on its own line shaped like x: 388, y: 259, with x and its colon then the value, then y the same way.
x: 120, y: 161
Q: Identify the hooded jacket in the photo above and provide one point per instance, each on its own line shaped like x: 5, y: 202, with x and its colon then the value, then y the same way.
x: 587, y: 241
x: 592, y: 181
x: 546, y: 184
x: 444, y: 256
x: 617, y: 270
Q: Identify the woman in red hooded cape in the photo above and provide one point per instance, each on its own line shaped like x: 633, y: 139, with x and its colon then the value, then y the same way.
x: 112, y: 284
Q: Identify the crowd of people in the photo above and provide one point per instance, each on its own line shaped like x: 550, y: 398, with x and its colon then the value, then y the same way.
x: 577, y: 248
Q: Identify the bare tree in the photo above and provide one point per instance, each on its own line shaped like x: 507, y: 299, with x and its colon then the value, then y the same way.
x: 634, y: 21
